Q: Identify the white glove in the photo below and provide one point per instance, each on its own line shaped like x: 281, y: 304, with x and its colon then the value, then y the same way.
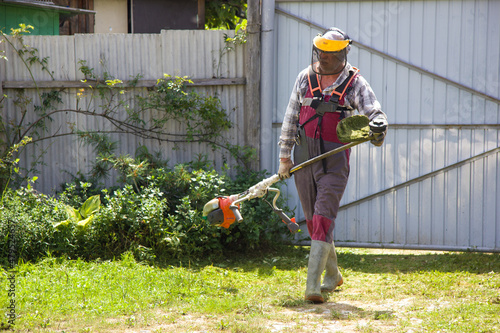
x: 284, y: 170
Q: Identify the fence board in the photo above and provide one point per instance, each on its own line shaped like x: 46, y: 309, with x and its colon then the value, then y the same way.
x: 442, y: 98
x: 197, y: 54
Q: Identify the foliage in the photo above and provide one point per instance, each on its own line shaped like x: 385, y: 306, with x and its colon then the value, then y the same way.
x: 156, y: 214
x: 198, y: 118
x: 15, y: 135
x: 28, y: 217
x: 127, y: 221
x: 8, y: 164
x: 83, y: 216
x: 10, y: 148
x: 224, y: 14
x: 29, y: 55
x: 240, y: 36
x: 384, y: 291
x: 188, y: 191
x: 230, y: 43
x: 201, y: 118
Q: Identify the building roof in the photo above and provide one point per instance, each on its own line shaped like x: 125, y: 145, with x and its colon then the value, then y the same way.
x: 49, y: 5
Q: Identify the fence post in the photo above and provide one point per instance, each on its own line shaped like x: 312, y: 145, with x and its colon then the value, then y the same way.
x: 252, y: 69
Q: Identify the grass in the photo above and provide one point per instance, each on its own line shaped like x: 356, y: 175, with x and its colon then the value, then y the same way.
x: 384, y: 291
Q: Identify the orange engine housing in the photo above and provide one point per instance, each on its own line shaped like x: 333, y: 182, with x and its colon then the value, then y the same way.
x: 229, y: 218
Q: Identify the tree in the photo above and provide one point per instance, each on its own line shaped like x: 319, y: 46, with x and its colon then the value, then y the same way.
x: 224, y: 14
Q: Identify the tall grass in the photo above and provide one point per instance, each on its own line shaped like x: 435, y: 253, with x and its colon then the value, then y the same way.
x: 384, y: 291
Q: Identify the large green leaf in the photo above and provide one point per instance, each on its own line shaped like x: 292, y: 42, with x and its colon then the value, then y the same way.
x: 73, y: 214
x: 86, y: 222
x: 62, y: 223
x: 90, y: 206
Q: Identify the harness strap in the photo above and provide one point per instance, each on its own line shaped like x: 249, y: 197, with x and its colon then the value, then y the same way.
x: 315, y: 89
x: 340, y: 90
x: 308, y: 101
x: 314, y: 83
x: 331, y: 106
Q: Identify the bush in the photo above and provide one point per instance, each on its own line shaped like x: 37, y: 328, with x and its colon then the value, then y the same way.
x: 127, y: 221
x: 158, y: 219
x: 260, y: 228
x: 27, y: 218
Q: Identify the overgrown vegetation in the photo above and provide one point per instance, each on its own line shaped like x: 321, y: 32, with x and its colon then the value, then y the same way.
x: 197, y: 118
x: 155, y: 210
x: 383, y: 291
x: 156, y: 215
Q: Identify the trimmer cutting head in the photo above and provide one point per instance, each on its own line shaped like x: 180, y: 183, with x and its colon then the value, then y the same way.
x: 354, y: 129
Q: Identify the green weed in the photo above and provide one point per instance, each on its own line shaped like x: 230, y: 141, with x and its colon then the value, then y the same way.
x: 454, y: 294
x: 157, y: 217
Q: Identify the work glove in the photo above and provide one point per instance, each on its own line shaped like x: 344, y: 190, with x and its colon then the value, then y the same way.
x: 378, y: 128
x: 284, y: 170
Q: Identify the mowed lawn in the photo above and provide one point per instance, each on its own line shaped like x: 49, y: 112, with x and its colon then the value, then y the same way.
x: 384, y: 291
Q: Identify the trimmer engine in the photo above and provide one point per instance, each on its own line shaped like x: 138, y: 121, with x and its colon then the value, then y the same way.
x: 218, y: 212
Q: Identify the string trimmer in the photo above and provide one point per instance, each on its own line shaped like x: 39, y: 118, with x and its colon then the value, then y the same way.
x: 225, y: 210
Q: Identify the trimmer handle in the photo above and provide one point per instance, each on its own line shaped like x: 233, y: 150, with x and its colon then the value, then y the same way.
x: 290, y: 223
x: 379, y: 129
x: 237, y: 213
x: 378, y: 125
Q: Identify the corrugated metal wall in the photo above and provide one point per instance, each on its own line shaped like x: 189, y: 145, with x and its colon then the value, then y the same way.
x: 435, y: 67
x: 193, y: 53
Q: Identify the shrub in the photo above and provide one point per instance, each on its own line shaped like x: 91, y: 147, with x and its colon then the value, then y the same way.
x: 128, y: 220
x: 26, y: 217
x: 159, y: 219
x: 260, y: 228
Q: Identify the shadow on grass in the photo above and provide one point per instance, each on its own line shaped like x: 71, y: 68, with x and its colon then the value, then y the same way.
x: 296, y: 257
x: 446, y: 262
x: 335, y: 310
x: 344, y: 311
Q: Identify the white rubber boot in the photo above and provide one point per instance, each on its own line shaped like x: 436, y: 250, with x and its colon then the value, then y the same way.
x: 318, y: 256
x: 332, y: 278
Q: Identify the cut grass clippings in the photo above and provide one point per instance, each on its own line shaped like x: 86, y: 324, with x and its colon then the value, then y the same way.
x: 383, y: 291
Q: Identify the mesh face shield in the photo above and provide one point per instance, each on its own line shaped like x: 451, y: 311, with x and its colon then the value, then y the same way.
x: 328, y: 63
x: 329, y: 52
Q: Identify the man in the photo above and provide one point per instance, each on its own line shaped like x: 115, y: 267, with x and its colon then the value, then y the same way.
x: 324, y: 93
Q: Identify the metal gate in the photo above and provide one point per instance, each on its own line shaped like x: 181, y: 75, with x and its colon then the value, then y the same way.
x: 435, y: 67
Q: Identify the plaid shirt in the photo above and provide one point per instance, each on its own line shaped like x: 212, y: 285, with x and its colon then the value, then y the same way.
x: 360, y: 97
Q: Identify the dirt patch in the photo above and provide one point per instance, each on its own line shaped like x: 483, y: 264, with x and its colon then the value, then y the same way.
x: 348, y: 317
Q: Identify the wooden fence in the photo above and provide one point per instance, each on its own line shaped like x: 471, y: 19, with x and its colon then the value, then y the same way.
x: 203, y: 56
